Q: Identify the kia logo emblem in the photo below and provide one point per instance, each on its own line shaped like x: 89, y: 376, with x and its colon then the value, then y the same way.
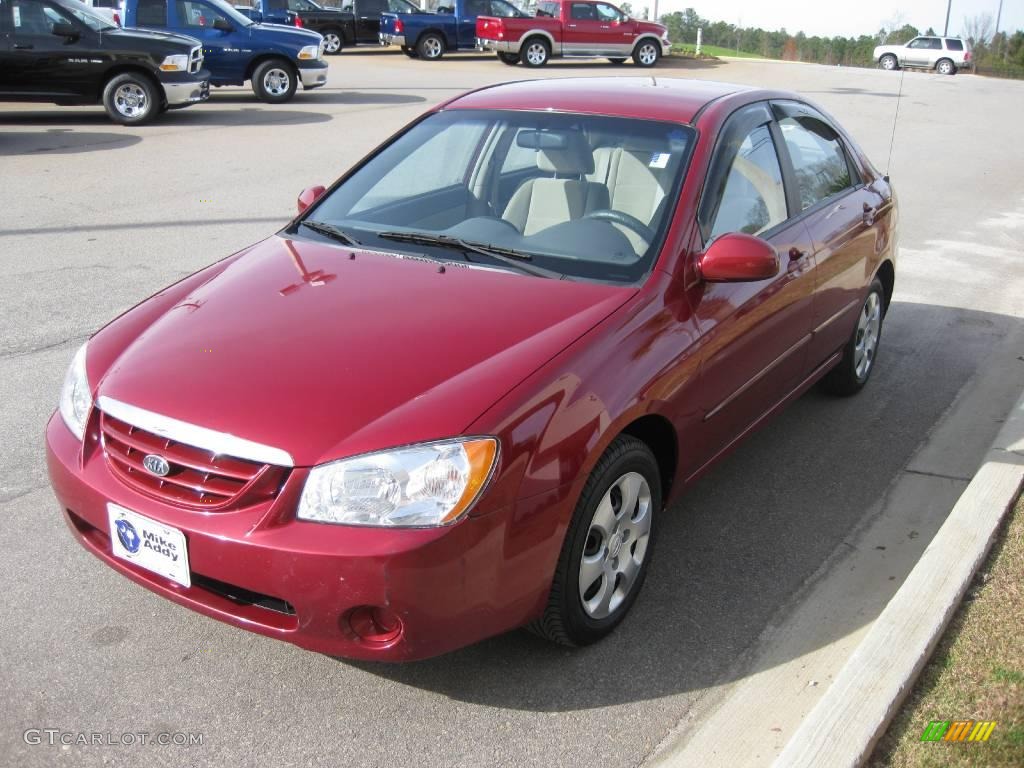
x: 156, y: 465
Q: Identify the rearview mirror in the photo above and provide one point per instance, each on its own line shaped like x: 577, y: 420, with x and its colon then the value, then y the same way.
x: 223, y: 25
x: 530, y: 139
x: 309, y: 196
x: 739, y: 258
x: 65, y: 29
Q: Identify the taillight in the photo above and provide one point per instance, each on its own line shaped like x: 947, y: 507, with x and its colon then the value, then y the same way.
x: 399, y: 27
x: 298, y: 22
x: 967, y: 56
x: 117, y: 19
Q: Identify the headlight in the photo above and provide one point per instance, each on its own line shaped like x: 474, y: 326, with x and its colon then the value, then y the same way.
x: 310, y: 52
x: 419, y: 486
x: 76, y: 396
x: 177, y: 63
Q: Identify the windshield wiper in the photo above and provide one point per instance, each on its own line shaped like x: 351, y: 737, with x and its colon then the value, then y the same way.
x: 331, y: 231
x: 508, y: 256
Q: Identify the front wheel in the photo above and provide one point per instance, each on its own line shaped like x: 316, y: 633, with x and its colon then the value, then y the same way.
x: 131, y: 99
x: 861, y: 351
x: 536, y: 52
x: 607, y: 548
x: 945, y: 67
x: 333, y: 42
x: 888, y: 62
x: 508, y: 58
x: 274, y: 81
x: 647, y: 54
x: 430, y: 47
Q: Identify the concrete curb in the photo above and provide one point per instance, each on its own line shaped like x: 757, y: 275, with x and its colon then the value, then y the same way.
x: 854, y: 712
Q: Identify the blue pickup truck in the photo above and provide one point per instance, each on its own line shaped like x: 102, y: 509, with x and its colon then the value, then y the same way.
x: 453, y: 28
x: 274, y: 58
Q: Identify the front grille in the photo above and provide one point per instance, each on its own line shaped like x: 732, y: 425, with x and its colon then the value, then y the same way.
x: 198, y: 478
x: 195, y: 60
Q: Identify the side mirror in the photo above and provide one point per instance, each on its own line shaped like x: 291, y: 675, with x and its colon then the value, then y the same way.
x: 739, y: 258
x: 223, y: 25
x: 65, y: 29
x: 309, y: 196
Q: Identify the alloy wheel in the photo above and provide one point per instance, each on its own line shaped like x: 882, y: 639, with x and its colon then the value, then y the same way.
x: 332, y: 43
x: 647, y: 54
x: 536, y: 54
x: 432, y: 48
x: 276, y: 81
x: 130, y: 100
x: 868, y: 326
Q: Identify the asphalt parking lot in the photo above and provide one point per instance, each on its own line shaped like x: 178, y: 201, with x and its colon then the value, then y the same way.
x: 95, y: 217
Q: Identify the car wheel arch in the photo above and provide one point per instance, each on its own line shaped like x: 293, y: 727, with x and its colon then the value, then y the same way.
x: 256, y: 61
x: 886, y: 272
x: 433, y: 31
x: 537, y: 33
x: 128, y: 69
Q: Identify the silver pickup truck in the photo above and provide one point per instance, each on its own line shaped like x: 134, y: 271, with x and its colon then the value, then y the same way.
x: 945, y: 55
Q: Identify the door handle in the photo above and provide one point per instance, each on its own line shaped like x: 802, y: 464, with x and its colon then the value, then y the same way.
x: 835, y: 210
x: 603, y: 26
x: 571, y: 26
x: 23, y: 46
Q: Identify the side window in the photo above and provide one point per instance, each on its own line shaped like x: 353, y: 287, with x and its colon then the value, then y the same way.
x: 955, y: 45
x: 151, y: 13
x: 371, y: 7
x: 583, y: 12
x: 33, y: 18
x: 819, y: 159
x: 607, y: 12
x: 917, y: 42
x: 476, y: 8
x: 441, y: 161
x: 300, y: 5
x: 503, y: 10
x: 753, y: 199
x: 934, y: 43
x: 548, y: 10
x: 197, y: 15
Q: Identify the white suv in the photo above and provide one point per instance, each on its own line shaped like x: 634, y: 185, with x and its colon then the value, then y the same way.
x: 943, y: 54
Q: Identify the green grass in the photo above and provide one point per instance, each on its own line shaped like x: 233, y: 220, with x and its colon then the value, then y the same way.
x: 976, y: 672
x: 712, y: 50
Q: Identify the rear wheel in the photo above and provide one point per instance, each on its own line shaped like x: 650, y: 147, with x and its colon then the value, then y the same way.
x: 333, y: 41
x: 535, y: 52
x: 646, y: 53
x: 945, y: 67
x: 430, y: 47
x: 854, y: 370
x: 607, y: 547
x: 274, y: 81
x: 509, y: 58
x: 131, y: 99
x: 888, y: 62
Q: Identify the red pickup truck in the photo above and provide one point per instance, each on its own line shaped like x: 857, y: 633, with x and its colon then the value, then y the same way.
x: 577, y: 28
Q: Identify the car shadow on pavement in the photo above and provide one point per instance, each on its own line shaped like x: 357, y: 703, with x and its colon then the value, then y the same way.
x: 66, y: 120
x: 737, y: 551
x: 326, y: 96
x: 62, y: 141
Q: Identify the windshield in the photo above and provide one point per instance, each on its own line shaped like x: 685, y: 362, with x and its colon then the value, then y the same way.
x: 583, y: 196
x: 85, y: 14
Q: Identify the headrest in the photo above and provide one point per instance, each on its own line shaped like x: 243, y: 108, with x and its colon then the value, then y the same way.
x: 559, y: 151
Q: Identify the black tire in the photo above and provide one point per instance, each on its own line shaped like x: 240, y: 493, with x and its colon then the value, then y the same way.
x: 617, y: 61
x: 430, y: 47
x: 410, y: 52
x: 274, y: 81
x: 945, y: 67
x: 647, y: 53
x: 333, y: 37
x: 535, y: 52
x: 508, y: 58
x: 132, y: 98
x: 565, y: 619
x: 845, y: 379
x: 889, y: 62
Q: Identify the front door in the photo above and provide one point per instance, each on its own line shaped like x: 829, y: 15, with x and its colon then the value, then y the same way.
x: 225, y: 58
x: 594, y: 29
x: 754, y: 335
x: 367, y: 13
x: 44, y: 63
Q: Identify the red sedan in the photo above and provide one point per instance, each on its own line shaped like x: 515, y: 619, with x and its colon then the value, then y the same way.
x: 457, y: 393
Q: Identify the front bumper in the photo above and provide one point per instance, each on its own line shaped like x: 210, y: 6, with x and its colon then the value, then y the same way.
x: 666, y: 47
x: 182, y: 89
x: 391, y: 39
x: 260, y: 569
x: 313, y: 74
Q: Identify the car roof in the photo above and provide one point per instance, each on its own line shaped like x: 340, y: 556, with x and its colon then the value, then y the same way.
x: 654, y: 98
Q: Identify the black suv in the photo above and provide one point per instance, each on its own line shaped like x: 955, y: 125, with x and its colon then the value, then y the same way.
x: 60, y: 51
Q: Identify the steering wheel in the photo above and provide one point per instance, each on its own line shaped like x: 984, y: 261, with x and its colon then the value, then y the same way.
x: 629, y: 222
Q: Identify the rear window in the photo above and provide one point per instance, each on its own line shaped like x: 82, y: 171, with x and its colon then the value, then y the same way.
x: 547, y: 9
x: 955, y: 45
x: 151, y: 13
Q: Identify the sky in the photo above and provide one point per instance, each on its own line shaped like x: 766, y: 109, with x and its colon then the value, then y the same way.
x: 829, y: 18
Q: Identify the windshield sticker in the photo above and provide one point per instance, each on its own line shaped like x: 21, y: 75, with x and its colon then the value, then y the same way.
x: 17, y: 16
x: 659, y: 160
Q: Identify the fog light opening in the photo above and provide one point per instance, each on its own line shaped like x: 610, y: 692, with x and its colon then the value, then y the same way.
x: 374, y: 625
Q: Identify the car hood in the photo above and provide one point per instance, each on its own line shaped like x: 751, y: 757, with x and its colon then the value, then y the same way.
x: 327, y: 352
x: 283, y: 34
x: 150, y: 35
x: 649, y: 26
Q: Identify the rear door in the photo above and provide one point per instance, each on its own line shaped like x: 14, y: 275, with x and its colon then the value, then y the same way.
x: 840, y: 211
x: 755, y: 334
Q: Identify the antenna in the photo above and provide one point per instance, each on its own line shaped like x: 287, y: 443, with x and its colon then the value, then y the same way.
x: 892, y: 139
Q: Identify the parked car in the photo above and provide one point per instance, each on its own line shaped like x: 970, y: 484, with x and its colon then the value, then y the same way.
x: 455, y: 395
x: 111, y: 10
x: 337, y: 27
x: 367, y: 14
x: 253, y: 14
x: 61, y: 51
x: 576, y: 28
x: 272, y: 57
x: 945, y: 55
x: 453, y: 28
